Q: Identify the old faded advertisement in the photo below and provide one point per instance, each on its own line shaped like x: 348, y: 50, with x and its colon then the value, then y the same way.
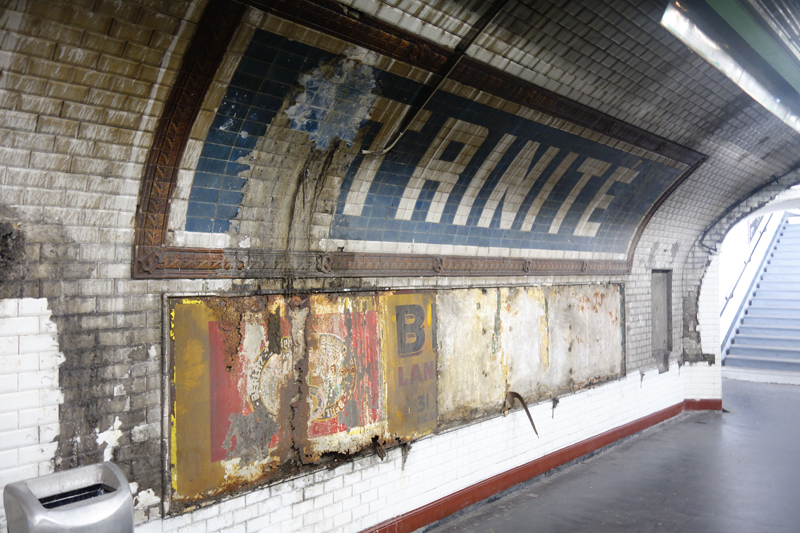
x: 263, y: 385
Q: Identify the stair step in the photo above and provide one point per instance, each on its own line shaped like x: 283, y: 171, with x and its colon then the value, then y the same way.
x: 750, y: 320
x: 774, y: 277
x: 772, y: 341
x: 790, y: 292
x: 781, y: 269
x: 765, y: 363
x: 782, y: 286
x: 783, y: 261
x: 783, y: 312
x: 783, y: 303
x: 775, y: 352
x: 787, y: 332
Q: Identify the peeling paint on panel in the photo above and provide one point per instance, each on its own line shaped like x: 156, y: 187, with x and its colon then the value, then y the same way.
x: 410, y: 331
x: 526, y: 339
x: 264, y: 385
x: 472, y: 365
x: 588, y: 348
x: 344, y: 376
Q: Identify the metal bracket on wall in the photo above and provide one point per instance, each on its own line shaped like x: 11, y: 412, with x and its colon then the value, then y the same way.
x: 510, y: 395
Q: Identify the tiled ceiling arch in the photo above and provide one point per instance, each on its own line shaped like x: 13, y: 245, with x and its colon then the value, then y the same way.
x: 497, y: 177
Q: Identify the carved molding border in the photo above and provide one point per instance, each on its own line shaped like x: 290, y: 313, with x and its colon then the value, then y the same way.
x: 194, y: 263
x: 152, y: 259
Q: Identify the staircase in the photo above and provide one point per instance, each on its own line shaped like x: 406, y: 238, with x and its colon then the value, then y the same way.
x: 768, y: 337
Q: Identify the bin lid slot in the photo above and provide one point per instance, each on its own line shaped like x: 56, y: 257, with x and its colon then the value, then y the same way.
x: 72, y: 496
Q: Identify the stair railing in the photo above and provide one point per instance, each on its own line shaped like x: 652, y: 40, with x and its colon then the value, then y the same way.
x: 753, y: 247
x: 752, y: 277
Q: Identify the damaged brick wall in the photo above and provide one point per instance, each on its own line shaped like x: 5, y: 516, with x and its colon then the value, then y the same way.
x: 81, y: 88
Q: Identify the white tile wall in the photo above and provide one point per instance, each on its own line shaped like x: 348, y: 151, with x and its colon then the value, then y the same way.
x: 29, y: 395
x: 368, y: 491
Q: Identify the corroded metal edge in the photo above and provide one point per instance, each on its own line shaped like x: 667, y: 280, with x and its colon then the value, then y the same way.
x: 152, y: 259
x: 163, y: 262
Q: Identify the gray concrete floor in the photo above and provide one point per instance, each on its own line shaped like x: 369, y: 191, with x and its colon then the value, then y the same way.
x: 705, y: 472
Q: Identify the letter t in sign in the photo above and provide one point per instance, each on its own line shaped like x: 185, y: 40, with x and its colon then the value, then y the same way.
x: 410, y: 335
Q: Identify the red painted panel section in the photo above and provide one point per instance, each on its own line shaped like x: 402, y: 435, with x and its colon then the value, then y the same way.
x: 356, y: 370
x: 225, y: 398
x: 457, y: 501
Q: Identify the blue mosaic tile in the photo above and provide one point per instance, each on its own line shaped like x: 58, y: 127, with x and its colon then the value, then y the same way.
x: 221, y: 226
x: 199, y: 194
x: 216, y: 151
x: 199, y: 224
x: 226, y: 212
x: 273, y: 64
x: 203, y: 209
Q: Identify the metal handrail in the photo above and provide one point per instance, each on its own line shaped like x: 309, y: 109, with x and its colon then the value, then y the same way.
x: 730, y: 293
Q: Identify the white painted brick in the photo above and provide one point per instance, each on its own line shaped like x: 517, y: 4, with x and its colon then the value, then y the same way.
x: 37, y: 454
x: 19, y: 438
x: 50, y: 397
x: 37, y: 343
x: 228, y: 506
x: 33, y: 307
x: 268, y: 506
x: 16, y: 326
x: 197, y: 527
x: 20, y: 473
x: 9, y: 383
x: 260, y: 523
x: 42, y: 379
x: 205, y: 513
x: 255, y: 497
x: 48, y: 432
x: 9, y: 346
x: 240, y: 528
x: 178, y: 522
x: 39, y: 416
x: 15, y: 401
x: 50, y: 360
x: 9, y: 421
x: 244, y: 514
x: 9, y: 459
x: 9, y: 307
x: 220, y: 522
x: 46, y: 468
x: 153, y: 526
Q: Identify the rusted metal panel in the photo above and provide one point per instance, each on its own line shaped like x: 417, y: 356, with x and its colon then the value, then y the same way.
x: 190, y: 451
x: 232, y: 381
x: 526, y: 342
x: 586, y: 336
x: 541, y: 342
x: 472, y: 365
x: 345, y: 376
x: 265, y: 384
x: 410, y: 351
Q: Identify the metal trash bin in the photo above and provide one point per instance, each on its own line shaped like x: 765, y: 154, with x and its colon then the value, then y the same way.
x: 95, y: 498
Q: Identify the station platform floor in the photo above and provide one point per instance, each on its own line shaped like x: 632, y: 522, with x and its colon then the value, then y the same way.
x: 730, y: 472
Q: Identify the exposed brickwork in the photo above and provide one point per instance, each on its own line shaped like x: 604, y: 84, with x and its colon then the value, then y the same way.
x: 81, y: 90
